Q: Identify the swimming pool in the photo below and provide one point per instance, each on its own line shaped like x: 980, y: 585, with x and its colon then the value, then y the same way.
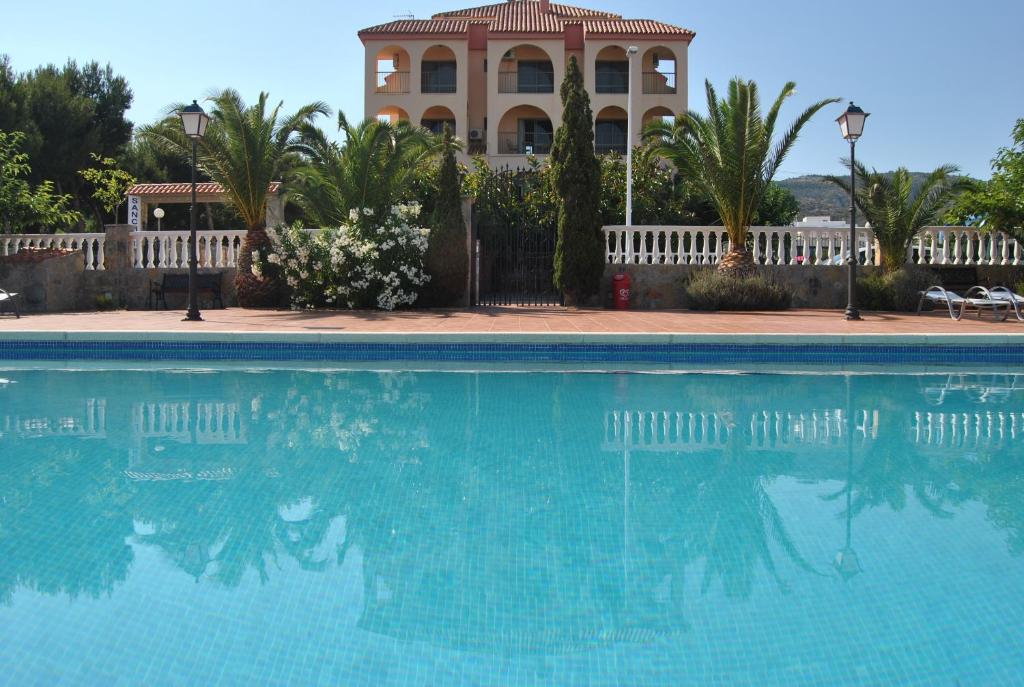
x: 252, y: 525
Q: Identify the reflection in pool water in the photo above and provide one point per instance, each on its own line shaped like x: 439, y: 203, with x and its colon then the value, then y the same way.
x: 303, y: 527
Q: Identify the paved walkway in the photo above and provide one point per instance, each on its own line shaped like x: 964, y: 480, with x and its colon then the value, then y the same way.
x: 513, y: 320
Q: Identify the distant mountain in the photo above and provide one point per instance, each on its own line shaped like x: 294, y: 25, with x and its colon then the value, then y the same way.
x: 819, y: 197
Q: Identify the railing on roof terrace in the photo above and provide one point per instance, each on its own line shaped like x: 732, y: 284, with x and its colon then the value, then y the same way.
x: 659, y: 83
x: 682, y: 245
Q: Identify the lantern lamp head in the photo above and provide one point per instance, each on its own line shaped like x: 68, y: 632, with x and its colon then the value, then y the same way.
x: 851, y: 122
x: 194, y: 120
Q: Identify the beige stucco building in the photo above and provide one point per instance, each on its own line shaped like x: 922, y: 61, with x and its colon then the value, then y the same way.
x: 493, y: 74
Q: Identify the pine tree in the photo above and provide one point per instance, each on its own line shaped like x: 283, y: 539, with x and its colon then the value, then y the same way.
x: 447, y: 261
x: 579, y: 253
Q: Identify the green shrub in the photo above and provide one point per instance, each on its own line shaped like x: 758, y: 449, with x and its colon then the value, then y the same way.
x: 1019, y: 288
x: 711, y: 290
x: 898, y: 291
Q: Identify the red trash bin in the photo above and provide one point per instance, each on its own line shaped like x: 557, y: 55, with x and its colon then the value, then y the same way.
x: 620, y: 287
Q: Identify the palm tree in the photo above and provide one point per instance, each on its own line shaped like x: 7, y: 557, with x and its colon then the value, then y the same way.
x: 246, y: 147
x: 730, y: 155
x: 895, y: 212
x: 373, y: 169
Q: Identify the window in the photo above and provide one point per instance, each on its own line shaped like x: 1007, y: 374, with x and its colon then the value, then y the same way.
x: 438, y: 77
x: 610, y: 136
x: 611, y: 77
x: 536, y: 77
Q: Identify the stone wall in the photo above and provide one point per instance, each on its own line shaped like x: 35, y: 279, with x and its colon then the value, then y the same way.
x: 813, y: 286
x: 62, y: 284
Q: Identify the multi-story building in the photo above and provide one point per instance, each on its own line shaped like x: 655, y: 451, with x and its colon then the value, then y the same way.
x: 493, y: 73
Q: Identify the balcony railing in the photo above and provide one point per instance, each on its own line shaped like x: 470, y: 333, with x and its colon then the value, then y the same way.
x: 532, y: 82
x: 611, y: 82
x: 656, y: 83
x: 435, y: 83
x: 392, y: 82
x: 512, y: 143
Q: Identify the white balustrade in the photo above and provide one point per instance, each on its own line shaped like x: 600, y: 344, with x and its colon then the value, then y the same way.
x: 966, y: 246
x: 678, y: 245
x: 169, y: 249
x: 91, y: 245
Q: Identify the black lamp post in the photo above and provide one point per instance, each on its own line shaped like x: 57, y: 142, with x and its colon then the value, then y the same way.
x: 851, y: 123
x: 193, y: 122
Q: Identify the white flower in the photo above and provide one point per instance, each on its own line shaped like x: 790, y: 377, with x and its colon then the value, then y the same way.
x: 353, y: 215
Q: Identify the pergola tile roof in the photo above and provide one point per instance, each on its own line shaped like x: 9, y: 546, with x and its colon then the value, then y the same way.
x: 177, y: 189
x: 526, y: 17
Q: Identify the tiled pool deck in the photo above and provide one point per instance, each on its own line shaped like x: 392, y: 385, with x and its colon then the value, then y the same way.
x: 803, y: 323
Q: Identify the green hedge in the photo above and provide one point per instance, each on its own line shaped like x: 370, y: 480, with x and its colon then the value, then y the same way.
x: 711, y: 290
x: 898, y: 291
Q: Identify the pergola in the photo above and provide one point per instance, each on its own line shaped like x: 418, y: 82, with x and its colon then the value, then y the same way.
x: 141, y: 197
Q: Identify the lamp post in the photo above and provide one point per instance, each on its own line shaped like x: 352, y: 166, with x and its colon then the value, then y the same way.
x: 193, y: 122
x: 851, y: 123
x: 631, y: 51
x: 159, y: 214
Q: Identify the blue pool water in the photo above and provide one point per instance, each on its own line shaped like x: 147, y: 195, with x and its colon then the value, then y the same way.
x: 290, y: 527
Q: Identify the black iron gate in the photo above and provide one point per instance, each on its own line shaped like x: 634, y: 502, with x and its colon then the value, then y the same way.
x: 515, y: 264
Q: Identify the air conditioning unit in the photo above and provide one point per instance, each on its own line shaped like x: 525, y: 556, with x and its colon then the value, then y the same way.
x: 476, y: 134
x: 510, y: 55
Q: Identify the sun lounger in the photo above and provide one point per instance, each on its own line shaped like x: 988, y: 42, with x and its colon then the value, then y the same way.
x: 1001, y: 293
x: 977, y: 298
x: 7, y: 301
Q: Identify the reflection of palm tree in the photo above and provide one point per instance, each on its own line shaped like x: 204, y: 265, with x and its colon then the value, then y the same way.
x: 734, y: 523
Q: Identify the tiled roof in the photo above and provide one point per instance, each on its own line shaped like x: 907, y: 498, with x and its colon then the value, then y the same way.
x: 647, y: 27
x: 525, y: 16
x: 185, y: 187
x: 420, y: 26
x: 523, y: 7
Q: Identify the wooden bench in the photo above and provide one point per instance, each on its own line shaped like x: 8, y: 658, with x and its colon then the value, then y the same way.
x: 208, y: 284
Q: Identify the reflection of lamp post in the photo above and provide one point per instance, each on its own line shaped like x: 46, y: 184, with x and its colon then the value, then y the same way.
x: 851, y: 123
x: 159, y: 214
x: 193, y: 122
x: 846, y: 562
x: 631, y: 51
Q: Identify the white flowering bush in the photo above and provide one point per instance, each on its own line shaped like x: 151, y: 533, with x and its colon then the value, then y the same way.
x: 372, y: 261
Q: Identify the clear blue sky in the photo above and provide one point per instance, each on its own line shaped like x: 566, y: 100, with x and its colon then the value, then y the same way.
x: 942, y: 79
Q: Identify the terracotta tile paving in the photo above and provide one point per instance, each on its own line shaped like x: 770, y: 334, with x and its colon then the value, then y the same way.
x: 514, y: 320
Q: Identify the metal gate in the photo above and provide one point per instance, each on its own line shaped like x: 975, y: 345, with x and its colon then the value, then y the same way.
x: 514, y: 264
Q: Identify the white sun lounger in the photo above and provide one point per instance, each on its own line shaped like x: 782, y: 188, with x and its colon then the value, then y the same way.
x: 977, y: 298
x: 7, y: 301
x: 1001, y: 293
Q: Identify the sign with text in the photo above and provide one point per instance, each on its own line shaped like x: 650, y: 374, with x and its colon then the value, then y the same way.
x: 135, y: 212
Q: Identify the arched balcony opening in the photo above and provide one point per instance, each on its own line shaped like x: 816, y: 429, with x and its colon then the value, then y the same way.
x: 393, y: 64
x: 657, y: 113
x: 525, y: 130
x: 659, y: 71
x: 611, y: 134
x: 438, y: 70
x: 611, y: 70
x: 526, y: 69
x: 435, y: 118
x: 392, y: 115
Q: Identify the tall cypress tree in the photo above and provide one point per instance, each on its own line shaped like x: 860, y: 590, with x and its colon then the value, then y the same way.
x: 447, y: 261
x: 579, y: 254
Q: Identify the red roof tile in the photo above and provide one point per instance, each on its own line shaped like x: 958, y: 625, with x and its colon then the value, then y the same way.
x: 525, y: 16
x: 431, y: 26
x: 178, y: 189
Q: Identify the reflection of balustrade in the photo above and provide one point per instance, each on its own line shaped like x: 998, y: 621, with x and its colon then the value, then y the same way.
x: 976, y: 430
x: 92, y: 423
x: 213, y: 422
x: 678, y: 431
